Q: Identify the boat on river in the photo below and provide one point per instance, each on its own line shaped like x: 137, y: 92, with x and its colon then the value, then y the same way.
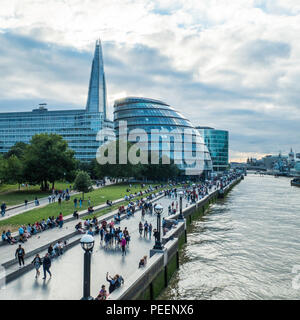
x: 295, y: 182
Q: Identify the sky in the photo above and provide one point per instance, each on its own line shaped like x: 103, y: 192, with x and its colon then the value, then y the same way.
x: 227, y: 64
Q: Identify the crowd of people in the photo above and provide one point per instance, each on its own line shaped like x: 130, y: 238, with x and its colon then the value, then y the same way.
x: 112, y: 236
x: 26, y: 231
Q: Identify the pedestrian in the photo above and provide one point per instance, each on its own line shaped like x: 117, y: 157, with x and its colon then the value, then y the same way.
x: 75, y: 203
x: 60, y: 220
x: 101, y: 234
x: 20, y: 254
x: 46, y: 265
x: 146, y: 229
x: 140, y: 228
x: 123, y: 245
x: 37, y: 261
x: 50, y: 198
x: 59, y: 201
x: 80, y: 203
x: 26, y: 202
x: 3, y: 208
x: 150, y: 230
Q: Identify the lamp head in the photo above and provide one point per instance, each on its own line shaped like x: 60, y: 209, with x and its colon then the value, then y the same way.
x: 87, y: 242
x: 158, y: 209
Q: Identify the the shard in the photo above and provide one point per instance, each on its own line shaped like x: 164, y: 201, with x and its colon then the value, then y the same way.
x: 97, y: 88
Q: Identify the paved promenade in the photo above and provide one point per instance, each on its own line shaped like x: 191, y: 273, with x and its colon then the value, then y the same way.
x: 67, y: 270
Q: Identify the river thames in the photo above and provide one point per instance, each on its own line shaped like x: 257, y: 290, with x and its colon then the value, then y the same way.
x: 246, y: 247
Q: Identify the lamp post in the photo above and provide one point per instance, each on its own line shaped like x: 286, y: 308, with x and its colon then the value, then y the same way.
x: 87, y: 244
x: 158, y: 209
x: 180, y: 217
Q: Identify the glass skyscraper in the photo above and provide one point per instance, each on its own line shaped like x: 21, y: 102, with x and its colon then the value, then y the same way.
x: 217, y: 144
x: 149, y: 115
x: 78, y: 127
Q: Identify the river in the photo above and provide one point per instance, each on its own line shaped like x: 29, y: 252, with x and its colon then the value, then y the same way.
x: 246, y: 246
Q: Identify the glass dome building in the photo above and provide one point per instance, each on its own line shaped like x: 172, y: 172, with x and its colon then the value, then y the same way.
x: 168, y: 134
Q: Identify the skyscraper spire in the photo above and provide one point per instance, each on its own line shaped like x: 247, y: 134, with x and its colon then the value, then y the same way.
x: 97, y: 88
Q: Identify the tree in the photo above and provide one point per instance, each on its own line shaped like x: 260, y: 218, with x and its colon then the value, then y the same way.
x: 117, y: 170
x: 48, y: 158
x: 2, y: 169
x: 17, y: 150
x: 83, y: 183
x: 14, y: 170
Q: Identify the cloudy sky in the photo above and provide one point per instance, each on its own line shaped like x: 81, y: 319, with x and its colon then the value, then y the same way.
x: 228, y: 64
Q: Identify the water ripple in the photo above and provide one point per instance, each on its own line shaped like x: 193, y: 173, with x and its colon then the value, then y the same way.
x: 245, y: 247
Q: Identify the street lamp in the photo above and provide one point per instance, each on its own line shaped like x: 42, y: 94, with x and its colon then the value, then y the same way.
x: 158, y: 209
x: 87, y: 244
x: 180, y: 217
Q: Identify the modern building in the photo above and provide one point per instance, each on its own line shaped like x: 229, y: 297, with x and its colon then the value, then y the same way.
x: 217, y: 144
x: 78, y: 127
x: 166, y: 130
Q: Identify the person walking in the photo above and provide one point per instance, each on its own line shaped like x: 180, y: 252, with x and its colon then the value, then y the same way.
x: 60, y: 220
x: 75, y: 203
x: 150, y: 230
x: 25, y: 202
x: 3, y: 208
x: 37, y: 262
x: 46, y: 265
x: 20, y: 254
x: 123, y: 245
x: 140, y: 228
x: 80, y: 203
x: 146, y: 229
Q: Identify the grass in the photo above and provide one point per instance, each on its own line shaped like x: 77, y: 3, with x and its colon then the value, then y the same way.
x: 97, y: 197
x: 11, y: 195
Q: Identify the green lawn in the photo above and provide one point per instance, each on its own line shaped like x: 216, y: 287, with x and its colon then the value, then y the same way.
x: 11, y: 195
x: 97, y: 197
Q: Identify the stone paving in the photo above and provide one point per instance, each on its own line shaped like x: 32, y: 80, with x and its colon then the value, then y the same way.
x: 67, y: 270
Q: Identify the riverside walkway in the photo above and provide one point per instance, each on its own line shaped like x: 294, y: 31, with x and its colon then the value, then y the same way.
x: 67, y: 270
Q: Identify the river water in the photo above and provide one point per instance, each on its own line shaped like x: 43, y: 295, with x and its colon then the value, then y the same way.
x: 246, y: 247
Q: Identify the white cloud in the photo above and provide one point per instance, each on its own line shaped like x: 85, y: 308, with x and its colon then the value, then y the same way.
x: 249, y: 49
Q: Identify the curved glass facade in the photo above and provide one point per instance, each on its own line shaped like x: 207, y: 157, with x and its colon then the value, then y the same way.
x: 217, y: 144
x: 167, y: 132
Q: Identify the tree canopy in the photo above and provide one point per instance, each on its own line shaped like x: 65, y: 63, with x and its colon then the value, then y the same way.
x: 83, y: 182
x: 48, y: 158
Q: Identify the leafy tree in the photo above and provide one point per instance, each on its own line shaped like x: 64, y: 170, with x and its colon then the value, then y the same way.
x: 139, y: 171
x: 17, y: 150
x: 116, y: 170
x: 14, y: 170
x: 83, y: 183
x: 48, y: 158
x: 2, y: 169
